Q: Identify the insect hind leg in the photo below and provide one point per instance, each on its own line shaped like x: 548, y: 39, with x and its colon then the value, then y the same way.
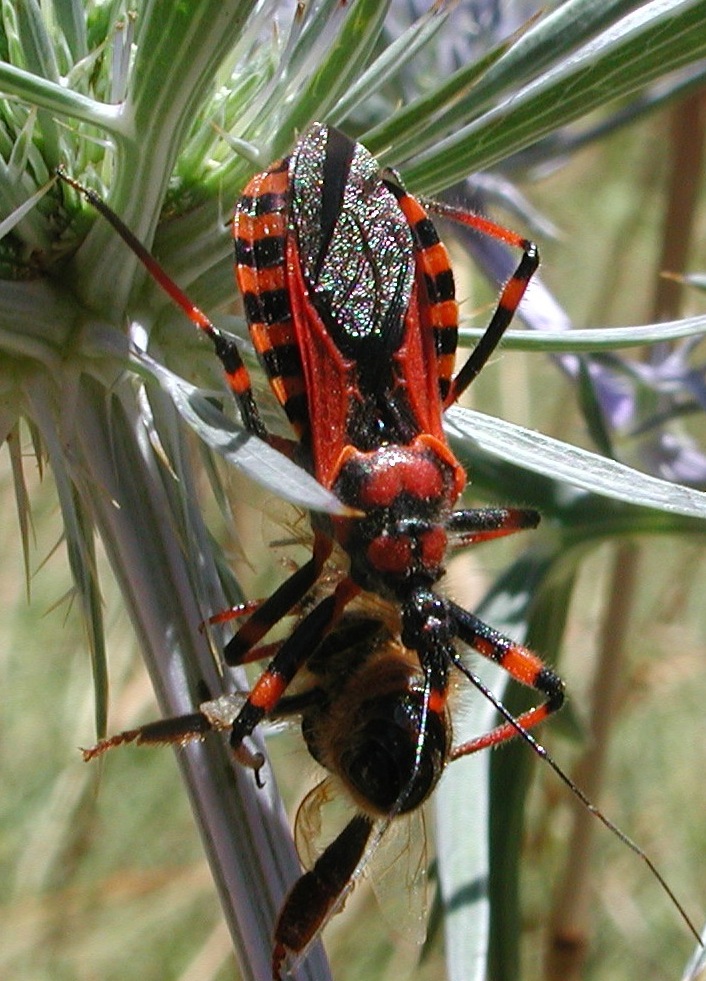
x: 512, y: 292
x: 236, y: 374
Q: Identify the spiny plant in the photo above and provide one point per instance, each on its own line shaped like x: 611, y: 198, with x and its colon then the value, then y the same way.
x: 167, y: 109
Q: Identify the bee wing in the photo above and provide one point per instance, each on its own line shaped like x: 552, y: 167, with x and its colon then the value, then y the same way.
x: 322, y: 892
x: 395, y: 859
x: 398, y: 876
x: 308, y: 824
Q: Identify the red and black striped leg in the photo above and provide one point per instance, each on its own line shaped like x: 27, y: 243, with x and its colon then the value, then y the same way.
x: 520, y: 662
x: 225, y: 347
x: 291, y: 656
x: 512, y: 292
x: 278, y: 605
x: 482, y: 524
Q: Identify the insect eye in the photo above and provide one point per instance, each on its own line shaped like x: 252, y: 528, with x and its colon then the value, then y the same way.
x: 381, y: 762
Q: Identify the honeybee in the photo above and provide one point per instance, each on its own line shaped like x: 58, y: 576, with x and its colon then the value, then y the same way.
x: 366, y: 720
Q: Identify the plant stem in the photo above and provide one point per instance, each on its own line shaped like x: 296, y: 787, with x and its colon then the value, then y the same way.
x: 569, y: 933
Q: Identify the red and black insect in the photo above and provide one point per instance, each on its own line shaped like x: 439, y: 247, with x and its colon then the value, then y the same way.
x: 349, y: 296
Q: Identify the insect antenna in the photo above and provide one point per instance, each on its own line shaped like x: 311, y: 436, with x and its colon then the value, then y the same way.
x: 575, y: 790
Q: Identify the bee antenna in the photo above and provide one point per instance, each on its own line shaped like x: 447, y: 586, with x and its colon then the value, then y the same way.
x: 577, y: 792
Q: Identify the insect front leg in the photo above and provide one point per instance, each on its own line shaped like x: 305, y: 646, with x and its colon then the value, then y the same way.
x: 237, y: 376
x: 178, y: 730
x: 290, y: 657
x: 520, y: 662
x: 482, y: 524
x: 269, y: 613
x: 242, y: 649
x: 427, y: 629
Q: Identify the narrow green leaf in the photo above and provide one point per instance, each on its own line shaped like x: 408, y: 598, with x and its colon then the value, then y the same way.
x: 411, y: 127
x: 595, y: 339
x: 71, y: 17
x: 78, y: 534
x: 393, y: 58
x: 630, y: 55
x: 462, y: 800
x: 24, y: 514
x: 338, y: 67
x: 532, y: 603
x: 561, y: 461
x: 534, y: 48
x: 41, y: 92
x: 254, y: 458
x: 38, y: 50
x: 92, y: 608
x: 20, y: 213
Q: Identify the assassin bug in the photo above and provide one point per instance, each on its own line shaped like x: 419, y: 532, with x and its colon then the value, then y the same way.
x: 349, y: 297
